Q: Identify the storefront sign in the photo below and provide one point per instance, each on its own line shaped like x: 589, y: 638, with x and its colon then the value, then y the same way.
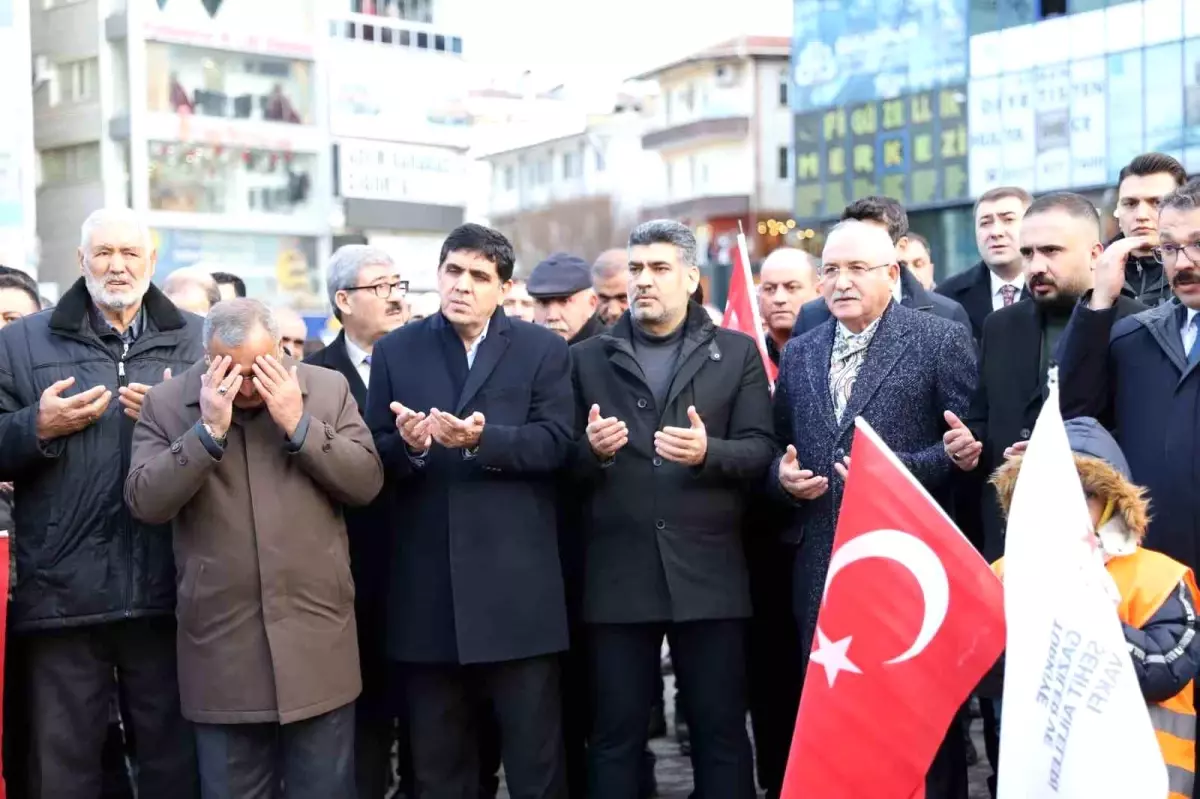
x: 372, y: 170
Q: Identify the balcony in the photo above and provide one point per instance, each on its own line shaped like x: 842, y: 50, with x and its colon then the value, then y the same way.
x: 697, y: 131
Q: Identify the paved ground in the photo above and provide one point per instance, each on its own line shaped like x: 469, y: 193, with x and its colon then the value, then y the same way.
x: 674, y: 770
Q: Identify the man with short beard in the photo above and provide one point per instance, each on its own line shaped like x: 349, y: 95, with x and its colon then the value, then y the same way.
x: 1138, y: 375
x: 95, y: 590
x: 1059, y: 246
x: 610, y: 281
x: 787, y: 280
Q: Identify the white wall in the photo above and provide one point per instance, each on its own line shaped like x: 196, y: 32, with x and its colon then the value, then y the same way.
x: 774, y: 121
x: 698, y: 92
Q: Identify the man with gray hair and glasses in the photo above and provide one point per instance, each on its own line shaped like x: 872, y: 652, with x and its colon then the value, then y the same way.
x: 95, y: 587
x: 367, y: 296
x: 251, y: 458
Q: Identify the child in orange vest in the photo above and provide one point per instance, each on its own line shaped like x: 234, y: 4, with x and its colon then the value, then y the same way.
x: 1156, y: 596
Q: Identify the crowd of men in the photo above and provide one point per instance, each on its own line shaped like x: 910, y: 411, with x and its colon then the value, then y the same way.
x: 458, y: 541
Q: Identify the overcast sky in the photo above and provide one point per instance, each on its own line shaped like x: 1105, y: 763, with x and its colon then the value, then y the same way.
x: 610, y: 39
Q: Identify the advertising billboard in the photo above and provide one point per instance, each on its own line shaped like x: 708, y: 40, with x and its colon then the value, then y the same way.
x: 855, y: 51
x: 913, y: 148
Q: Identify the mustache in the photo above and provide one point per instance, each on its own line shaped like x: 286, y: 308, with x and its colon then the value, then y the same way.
x: 1042, y: 280
x: 1186, y: 277
x: 846, y: 295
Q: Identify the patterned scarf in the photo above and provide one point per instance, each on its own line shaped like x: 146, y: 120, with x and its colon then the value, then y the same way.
x: 849, y: 352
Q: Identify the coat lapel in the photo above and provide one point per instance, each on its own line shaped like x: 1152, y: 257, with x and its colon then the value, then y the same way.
x: 491, y: 350
x: 1164, y: 324
x: 339, y: 359
x: 883, y: 353
x: 1023, y: 339
x: 698, y: 347
x: 816, y: 361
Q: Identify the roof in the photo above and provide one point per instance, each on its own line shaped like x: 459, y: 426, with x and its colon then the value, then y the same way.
x: 740, y: 47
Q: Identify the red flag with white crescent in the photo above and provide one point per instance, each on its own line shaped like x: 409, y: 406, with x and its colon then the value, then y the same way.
x: 741, y: 306
x: 910, y: 621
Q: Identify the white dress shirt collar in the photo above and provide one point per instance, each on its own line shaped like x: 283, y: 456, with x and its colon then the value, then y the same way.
x: 358, y: 356
x: 474, y: 348
x: 998, y: 283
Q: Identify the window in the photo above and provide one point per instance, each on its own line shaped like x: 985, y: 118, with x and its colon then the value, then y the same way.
x: 783, y: 89
x: 368, y: 33
x: 405, y: 39
x: 229, y: 180
x: 570, y: 166
x: 74, y: 82
x: 68, y: 165
x: 413, y: 10
x: 456, y: 45
x: 217, y: 83
x: 423, y: 41
x: 783, y: 163
x: 385, y: 35
x: 439, y: 43
x: 600, y: 156
x: 509, y: 178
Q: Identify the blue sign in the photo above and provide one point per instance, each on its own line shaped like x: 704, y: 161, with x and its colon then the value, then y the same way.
x: 858, y: 51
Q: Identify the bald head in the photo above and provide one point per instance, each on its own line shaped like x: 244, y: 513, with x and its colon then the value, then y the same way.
x: 788, y: 279
x: 293, y: 331
x: 610, y: 280
x: 858, y: 270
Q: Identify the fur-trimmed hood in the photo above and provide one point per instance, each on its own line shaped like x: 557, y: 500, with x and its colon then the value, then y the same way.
x: 1100, y: 477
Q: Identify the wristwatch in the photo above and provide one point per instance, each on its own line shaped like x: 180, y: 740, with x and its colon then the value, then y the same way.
x: 220, y: 440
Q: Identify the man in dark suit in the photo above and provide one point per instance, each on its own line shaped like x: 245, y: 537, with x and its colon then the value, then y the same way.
x: 1060, y: 244
x: 997, y: 280
x: 889, y: 215
x: 900, y: 370
x: 673, y: 416
x: 367, y: 296
x: 472, y: 413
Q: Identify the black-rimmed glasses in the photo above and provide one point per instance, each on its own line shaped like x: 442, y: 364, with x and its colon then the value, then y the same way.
x: 383, y: 290
x: 1169, y: 253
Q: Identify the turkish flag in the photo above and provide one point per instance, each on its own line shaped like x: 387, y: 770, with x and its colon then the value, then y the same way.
x: 741, y: 306
x: 911, y: 619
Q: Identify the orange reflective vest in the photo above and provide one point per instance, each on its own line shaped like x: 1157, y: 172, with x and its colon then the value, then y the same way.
x: 1145, y: 580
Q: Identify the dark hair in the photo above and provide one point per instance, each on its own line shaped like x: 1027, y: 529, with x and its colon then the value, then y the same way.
x: 698, y: 295
x: 1184, y: 198
x: 11, y: 278
x: 1153, y: 164
x: 880, y: 210
x: 1069, y: 203
x: 666, y: 231
x: 228, y: 279
x: 917, y: 237
x: 491, y: 244
x: 1000, y: 193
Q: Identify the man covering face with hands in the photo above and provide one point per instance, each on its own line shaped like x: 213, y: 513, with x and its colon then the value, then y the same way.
x: 251, y: 458
x: 673, y: 417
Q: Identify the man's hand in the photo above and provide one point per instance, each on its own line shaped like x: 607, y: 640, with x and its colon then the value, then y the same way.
x: 57, y: 417
x: 685, y: 445
x: 605, y: 436
x: 454, y: 433
x: 843, y: 468
x: 1110, y: 270
x: 1016, y: 449
x: 800, y: 483
x: 218, y: 386
x: 413, y: 427
x: 280, y: 389
x: 132, y: 396
x: 960, y: 444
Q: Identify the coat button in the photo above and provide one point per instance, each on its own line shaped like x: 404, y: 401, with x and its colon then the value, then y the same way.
x: 642, y: 403
x: 181, y: 460
x: 657, y: 461
x: 1026, y: 432
x: 328, y: 431
x: 176, y: 446
x: 326, y: 447
x: 839, y: 453
x: 660, y: 525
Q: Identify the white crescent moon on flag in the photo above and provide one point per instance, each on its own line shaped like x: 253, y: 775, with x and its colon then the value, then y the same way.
x: 913, y: 554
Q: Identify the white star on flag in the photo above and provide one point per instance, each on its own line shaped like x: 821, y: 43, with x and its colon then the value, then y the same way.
x: 832, y: 655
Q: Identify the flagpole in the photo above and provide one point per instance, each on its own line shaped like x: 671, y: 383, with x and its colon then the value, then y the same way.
x: 748, y: 274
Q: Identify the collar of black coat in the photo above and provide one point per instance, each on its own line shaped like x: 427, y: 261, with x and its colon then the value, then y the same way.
x: 70, y: 315
x: 499, y: 325
x: 193, y: 384
x: 591, y: 328
x: 912, y: 290
x: 697, y: 326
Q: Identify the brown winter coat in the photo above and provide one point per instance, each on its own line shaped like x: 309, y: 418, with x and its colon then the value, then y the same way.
x: 266, y: 601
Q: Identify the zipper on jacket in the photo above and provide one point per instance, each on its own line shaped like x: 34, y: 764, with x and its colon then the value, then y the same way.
x: 123, y: 380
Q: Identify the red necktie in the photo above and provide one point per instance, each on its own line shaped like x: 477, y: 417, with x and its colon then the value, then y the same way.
x: 1009, y: 293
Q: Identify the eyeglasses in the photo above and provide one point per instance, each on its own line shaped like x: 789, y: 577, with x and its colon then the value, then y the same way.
x: 855, y: 271
x: 383, y: 290
x: 1169, y: 253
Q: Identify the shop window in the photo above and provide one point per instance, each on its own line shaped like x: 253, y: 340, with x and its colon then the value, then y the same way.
x: 423, y: 41
x: 61, y: 166
x: 439, y: 43
x: 229, y: 180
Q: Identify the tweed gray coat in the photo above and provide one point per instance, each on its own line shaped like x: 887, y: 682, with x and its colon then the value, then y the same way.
x: 917, y: 366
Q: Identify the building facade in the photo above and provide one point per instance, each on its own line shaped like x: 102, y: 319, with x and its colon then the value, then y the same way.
x: 400, y: 123
x: 722, y: 131
x: 959, y: 96
x: 579, y: 188
x: 207, y: 116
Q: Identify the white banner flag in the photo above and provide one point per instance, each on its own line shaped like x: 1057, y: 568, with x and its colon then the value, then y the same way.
x: 1074, y: 724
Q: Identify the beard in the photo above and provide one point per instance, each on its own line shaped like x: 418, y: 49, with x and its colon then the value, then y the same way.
x: 113, y: 300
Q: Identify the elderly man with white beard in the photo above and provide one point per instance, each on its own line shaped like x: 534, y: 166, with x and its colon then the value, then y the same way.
x: 95, y: 589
